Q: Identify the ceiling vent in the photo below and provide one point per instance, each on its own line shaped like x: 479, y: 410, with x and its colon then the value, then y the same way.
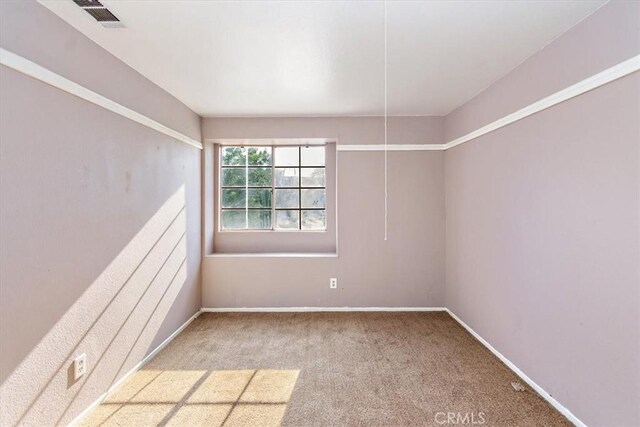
x: 100, y: 13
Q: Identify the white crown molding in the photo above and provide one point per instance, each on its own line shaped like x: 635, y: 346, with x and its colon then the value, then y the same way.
x: 546, y: 396
x: 29, y: 68
x: 607, y: 76
x: 390, y: 147
x: 600, y: 79
x: 38, y: 72
x: 271, y: 141
x: 76, y: 421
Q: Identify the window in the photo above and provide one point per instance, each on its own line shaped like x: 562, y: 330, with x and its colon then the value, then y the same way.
x: 273, y: 188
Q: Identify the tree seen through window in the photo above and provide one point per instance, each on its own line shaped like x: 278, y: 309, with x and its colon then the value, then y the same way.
x: 272, y: 188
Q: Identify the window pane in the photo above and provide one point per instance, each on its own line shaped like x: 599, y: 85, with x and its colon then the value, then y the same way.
x: 287, y: 198
x: 313, y: 198
x: 286, y: 220
x: 314, y: 220
x: 259, y: 156
x: 260, y: 220
x: 233, y: 156
x: 286, y: 177
x: 286, y: 156
x: 233, y: 177
x: 260, y: 198
x: 312, y: 177
x: 232, y: 220
x: 232, y: 198
x: 259, y: 177
x: 312, y: 156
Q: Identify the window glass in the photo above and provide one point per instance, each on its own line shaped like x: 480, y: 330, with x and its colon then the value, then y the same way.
x: 234, y: 177
x: 259, y: 198
x: 287, y: 220
x: 234, y: 219
x: 287, y: 177
x: 259, y: 156
x: 272, y: 188
x: 287, y: 156
x: 312, y: 156
x: 259, y: 177
x: 233, y: 156
x: 312, y: 177
x: 312, y: 198
x: 287, y: 198
x: 234, y: 198
x: 314, y: 220
x: 260, y: 219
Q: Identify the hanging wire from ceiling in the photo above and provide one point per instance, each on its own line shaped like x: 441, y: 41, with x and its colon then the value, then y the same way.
x: 386, y: 206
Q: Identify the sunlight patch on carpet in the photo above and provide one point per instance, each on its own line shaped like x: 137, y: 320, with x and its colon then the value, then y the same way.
x: 206, y: 398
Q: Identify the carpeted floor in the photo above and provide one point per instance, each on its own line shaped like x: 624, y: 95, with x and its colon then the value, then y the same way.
x: 324, y: 369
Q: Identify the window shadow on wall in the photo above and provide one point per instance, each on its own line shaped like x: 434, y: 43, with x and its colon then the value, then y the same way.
x: 114, y: 323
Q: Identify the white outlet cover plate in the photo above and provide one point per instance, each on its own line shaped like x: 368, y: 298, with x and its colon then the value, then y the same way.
x: 79, y: 366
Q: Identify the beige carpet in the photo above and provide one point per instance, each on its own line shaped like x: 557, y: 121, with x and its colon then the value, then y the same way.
x: 324, y: 369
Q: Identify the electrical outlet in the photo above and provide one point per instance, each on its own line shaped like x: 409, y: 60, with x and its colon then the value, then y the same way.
x: 333, y: 283
x: 79, y: 366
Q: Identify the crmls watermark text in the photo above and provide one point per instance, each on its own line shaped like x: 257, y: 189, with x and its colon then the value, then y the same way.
x: 460, y: 418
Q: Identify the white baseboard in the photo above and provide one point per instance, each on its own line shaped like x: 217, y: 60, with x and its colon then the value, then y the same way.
x: 133, y: 370
x: 314, y: 309
x: 546, y: 396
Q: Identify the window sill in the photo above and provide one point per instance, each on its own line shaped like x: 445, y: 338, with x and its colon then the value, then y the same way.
x: 274, y: 255
x: 230, y: 231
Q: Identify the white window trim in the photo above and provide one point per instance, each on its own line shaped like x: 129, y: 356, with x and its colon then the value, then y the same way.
x: 221, y: 144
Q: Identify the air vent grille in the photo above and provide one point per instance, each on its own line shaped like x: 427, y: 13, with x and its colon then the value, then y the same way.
x: 99, y: 13
x: 88, y: 3
x: 102, y: 15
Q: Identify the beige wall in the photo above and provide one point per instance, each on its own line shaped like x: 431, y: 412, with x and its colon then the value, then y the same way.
x: 99, y: 222
x: 543, y: 222
x: 407, y: 270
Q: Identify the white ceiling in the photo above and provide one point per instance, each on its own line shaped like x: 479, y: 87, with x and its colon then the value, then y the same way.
x: 308, y: 58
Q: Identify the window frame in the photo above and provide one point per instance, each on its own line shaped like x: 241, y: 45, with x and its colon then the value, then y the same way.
x: 273, y: 188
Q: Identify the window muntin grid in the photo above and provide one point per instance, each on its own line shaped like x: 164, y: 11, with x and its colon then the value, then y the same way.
x: 273, y: 188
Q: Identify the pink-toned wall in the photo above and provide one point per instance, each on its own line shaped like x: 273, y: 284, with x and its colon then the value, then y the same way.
x: 348, y: 130
x: 608, y: 37
x: 543, y: 228
x: 100, y: 222
x: 99, y: 226
x: 405, y: 271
